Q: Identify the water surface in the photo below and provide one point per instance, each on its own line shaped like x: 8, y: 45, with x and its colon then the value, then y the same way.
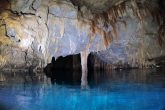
x: 116, y: 90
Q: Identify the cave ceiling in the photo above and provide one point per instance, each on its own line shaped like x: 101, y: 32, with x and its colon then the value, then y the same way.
x: 96, y: 6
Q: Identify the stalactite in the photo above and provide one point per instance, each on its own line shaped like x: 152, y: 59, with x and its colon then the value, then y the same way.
x: 2, y: 77
x: 84, y: 82
x: 101, y: 22
x: 62, y: 30
x: 2, y: 60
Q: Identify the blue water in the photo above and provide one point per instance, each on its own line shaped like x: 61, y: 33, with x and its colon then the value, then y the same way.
x: 120, y: 92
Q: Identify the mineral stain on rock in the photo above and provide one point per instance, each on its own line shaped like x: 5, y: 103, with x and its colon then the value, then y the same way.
x: 4, y: 4
x: 118, y: 32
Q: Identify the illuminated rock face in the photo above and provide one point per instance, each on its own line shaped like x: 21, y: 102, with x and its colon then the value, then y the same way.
x: 134, y: 45
x: 45, y: 29
x: 41, y: 29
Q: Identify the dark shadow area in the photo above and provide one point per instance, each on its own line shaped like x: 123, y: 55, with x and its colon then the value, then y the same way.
x: 2, y: 107
x: 67, y: 70
x: 6, y: 107
x: 4, y: 4
x: 64, y: 70
x: 159, y: 61
x: 91, y: 67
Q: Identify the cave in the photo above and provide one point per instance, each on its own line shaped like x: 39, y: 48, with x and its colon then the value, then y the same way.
x: 67, y: 70
x: 64, y: 69
x: 82, y: 54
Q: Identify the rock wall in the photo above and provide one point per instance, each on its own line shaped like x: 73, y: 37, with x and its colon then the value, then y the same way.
x: 33, y: 31
x: 136, y: 44
x: 42, y: 29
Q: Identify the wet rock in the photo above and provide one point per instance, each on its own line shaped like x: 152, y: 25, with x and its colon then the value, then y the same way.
x: 36, y: 4
x: 42, y: 13
x: 11, y: 32
x: 45, y: 28
x: 63, y: 10
x: 133, y: 45
x: 20, y: 6
x: 2, y: 78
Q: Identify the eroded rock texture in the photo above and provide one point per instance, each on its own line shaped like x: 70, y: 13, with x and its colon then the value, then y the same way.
x: 121, y: 32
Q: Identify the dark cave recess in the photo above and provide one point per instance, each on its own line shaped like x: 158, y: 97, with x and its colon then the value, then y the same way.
x: 68, y: 69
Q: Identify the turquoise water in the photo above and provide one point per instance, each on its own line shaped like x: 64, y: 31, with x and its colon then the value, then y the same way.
x: 121, y: 90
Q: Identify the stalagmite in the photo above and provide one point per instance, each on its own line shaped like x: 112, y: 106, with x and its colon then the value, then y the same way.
x: 2, y: 77
x: 84, y: 82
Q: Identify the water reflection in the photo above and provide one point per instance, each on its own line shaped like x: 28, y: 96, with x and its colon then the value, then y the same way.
x: 64, y: 70
x: 115, y: 90
x: 94, y: 78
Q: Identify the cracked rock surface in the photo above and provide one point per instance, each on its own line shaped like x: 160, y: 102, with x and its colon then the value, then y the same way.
x: 33, y: 31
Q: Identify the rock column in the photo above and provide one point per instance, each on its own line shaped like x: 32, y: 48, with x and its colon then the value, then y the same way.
x: 84, y: 81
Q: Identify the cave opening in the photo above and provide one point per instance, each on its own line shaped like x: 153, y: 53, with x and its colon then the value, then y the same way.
x: 68, y: 70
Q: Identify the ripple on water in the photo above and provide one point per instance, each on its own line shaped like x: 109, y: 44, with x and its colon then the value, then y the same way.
x: 109, y: 94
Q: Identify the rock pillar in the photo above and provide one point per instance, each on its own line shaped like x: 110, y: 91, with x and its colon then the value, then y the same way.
x: 84, y: 81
